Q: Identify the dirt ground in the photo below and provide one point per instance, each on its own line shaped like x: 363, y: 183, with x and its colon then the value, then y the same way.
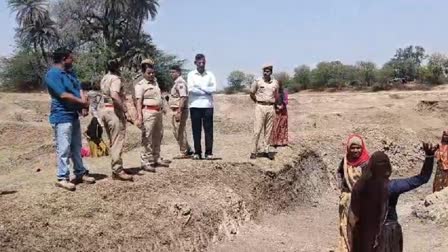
x: 232, y: 204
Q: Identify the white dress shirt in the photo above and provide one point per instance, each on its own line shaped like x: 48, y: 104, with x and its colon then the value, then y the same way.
x: 201, y: 88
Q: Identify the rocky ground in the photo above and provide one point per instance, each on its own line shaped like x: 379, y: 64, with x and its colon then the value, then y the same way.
x: 232, y: 204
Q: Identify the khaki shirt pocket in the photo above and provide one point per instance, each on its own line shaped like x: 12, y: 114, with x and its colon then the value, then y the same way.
x: 150, y: 93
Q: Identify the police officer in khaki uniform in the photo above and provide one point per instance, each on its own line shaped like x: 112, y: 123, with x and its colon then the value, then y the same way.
x: 264, y: 92
x: 178, y: 103
x: 113, y: 116
x: 150, y: 117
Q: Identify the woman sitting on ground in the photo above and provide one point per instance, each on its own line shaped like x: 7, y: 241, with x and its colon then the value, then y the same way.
x: 350, y: 170
x: 94, y: 135
x: 374, y: 202
x: 441, y: 177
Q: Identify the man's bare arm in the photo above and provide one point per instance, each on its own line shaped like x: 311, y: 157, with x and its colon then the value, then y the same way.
x: 139, y: 112
x: 183, y: 103
x: 118, y: 101
x: 252, y: 96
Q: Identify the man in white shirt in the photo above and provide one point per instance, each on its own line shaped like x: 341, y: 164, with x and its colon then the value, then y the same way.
x: 201, y: 86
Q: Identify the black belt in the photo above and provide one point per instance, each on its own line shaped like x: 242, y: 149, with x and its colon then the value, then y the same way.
x: 265, y: 103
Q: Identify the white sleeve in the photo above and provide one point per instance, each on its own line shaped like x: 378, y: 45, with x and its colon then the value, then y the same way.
x: 211, y: 86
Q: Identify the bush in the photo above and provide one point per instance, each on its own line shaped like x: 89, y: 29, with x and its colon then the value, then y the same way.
x: 229, y: 90
x: 283, y: 77
x: 380, y: 87
x: 22, y: 73
x: 236, y: 81
x: 434, y: 72
x: 333, y: 83
x: 294, y: 87
x: 302, y: 78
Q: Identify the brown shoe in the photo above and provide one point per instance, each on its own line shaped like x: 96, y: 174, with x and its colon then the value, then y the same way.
x: 84, y: 179
x: 65, y: 184
x: 122, y: 176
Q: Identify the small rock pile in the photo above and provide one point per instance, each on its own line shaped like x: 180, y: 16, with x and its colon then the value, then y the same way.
x: 434, y: 208
x: 402, y: 157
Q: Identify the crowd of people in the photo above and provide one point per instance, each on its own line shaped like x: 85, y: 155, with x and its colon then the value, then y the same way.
x: 111, y: 110
x: 368, y: 220
x: 368, y: 199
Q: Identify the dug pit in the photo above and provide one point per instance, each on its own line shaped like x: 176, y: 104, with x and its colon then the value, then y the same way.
x: 183, y: 210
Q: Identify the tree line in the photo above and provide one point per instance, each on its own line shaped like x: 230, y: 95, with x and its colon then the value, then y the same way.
x: 99, y: 30
x: 409, y: 64
x: 95, y: 30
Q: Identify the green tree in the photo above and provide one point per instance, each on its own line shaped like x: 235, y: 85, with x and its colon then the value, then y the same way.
x: 113, y: 24
x: 143, y: 10
x: 302, y: 77
x: 29, y: 11
x: 36, y: 28
x: 434, y: 72
x: 250, y: 79
x: 407, y: 62
x: 20, y: 72
x: 386, y: 74
x: 96, y: 30
x: 366, y: 72
x: 39, y: 34
x: 283, y: 77
x: 236, y: 81
x: 329, y: 74
x: 114, y: 29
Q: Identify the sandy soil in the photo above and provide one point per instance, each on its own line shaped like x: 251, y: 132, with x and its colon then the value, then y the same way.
x: 231, y: 204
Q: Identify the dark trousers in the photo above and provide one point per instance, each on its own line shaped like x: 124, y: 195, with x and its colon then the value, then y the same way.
x: 202, y: 117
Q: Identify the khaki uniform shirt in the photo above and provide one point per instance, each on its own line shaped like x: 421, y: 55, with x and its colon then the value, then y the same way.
x: 149, y: 93
x: 112, y: 83
x: 265, y: 91
x: 178, y: 91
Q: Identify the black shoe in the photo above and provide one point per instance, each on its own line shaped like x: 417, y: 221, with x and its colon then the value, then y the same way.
x: 253, y: 156
x: 149, y: 168
x: 189, y: 153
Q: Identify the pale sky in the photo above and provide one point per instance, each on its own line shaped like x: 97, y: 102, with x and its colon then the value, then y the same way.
x: 245, y: 34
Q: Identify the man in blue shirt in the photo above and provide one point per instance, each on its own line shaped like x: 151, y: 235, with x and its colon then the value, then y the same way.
x: 66, y: 104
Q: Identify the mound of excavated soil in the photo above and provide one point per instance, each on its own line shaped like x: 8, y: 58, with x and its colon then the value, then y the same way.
x: 21, y: 142
x: 305, y: 178
x: 434, y: 208
x: 432, y: 106
x: 184, y: 209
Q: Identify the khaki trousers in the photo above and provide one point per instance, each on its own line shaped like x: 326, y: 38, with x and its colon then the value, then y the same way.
x: 264, y: 121
x: 179, y: 130
x: 115, y: 124
x: 152, y: 133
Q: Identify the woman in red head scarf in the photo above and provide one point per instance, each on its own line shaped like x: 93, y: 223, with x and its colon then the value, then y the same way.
x: 441, y: 177
x: 350, y: 171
